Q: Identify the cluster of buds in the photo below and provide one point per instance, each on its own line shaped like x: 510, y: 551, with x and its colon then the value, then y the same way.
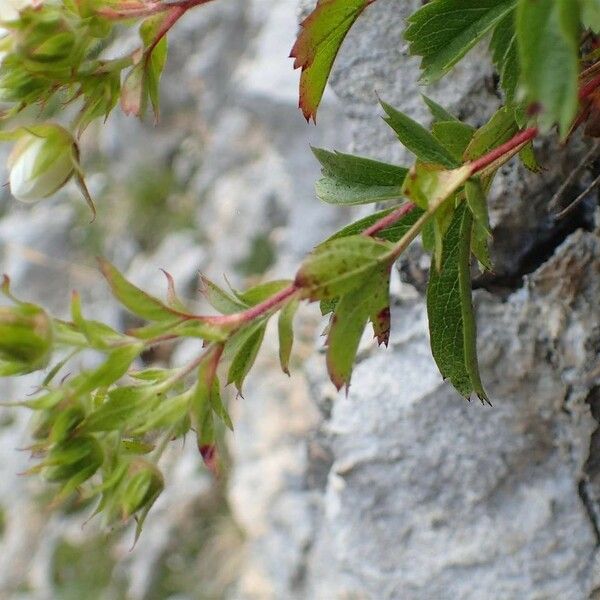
x: 26, y: 336
x: 55, y: 50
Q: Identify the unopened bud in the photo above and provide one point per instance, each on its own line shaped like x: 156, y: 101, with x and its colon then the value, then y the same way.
x: 78, y: 458
x: 42, y: 161
x: 25, y: 336
x: 143, y: 484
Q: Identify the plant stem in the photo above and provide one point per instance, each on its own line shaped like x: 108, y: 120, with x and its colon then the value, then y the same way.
x: 150, y: 9
x: 270, y: 304
x: 589, y: 88
x: 389, y: 220
x: 521, y: 138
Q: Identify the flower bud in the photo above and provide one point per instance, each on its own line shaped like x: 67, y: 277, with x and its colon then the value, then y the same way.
x: 76, y: 459
x: 10, y: 9
x: 42, y: 162
x: 25, y: 336
x: 143, y: 484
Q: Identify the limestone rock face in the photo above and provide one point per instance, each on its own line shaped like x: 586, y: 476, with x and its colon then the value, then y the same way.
x: 403, y: 490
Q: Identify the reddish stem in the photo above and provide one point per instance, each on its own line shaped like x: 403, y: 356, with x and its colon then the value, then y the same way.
x: 524, y: 136
x: 589, y: 88
x: 256, y: 311
x: 389, y: 220
x: 174, y: 15
x: 151, y: 9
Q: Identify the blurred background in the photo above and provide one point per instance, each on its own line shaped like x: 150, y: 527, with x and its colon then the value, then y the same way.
x: 222, y: 185
x: 401, y: 490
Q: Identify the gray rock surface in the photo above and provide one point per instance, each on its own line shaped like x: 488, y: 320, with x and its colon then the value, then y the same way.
x: 402, y: 490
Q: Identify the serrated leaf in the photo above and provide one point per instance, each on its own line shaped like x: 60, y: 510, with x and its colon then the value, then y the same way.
x: 417, y: 139
x: 337, y: 266
x: 548, y: 37
x: 450, y: 310
x: 316, y: 48
x: 286, y: 333
x: 438, y: 112
x: 351, y: 180
x: 442, y: 32
x: 357, y: 169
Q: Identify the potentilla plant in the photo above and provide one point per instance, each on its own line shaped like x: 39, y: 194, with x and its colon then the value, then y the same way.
x: 100, y: 433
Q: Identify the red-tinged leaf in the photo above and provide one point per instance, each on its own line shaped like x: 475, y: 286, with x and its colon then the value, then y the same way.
x: 210, y: 456
x: 134, y: 299
x: 321, y: 36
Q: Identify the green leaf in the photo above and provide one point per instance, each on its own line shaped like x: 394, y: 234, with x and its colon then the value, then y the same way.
x: 339, y: 265
x: 218, y: 406
x: 590, y: 14
x: 443, y: 31
x: 351, y: 180
x: 505, y: 54
x: 417, y: 139
x: 336, y: 192
x: 499, y: 129
x: 245, y: 358
x: 348, y: 323
x: 357, y: 169
x: 220, y: 299
x: 477, y: 203
x: 166, y: 414
x: 99, y: 335
x: 123, y: 409
x: 155, y: 59
x: 438, y: 112
x: 428, y: 186
x: 114, y: 367
x: 182, y: 327
x: 548, y: 36
x: 321, y: 36
x: 454, y: 136
x: 286, y: 333
x: 131, y: 297
x: 450, y: 310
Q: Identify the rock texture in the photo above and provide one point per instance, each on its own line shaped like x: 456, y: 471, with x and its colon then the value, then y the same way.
x: 402, y: 490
